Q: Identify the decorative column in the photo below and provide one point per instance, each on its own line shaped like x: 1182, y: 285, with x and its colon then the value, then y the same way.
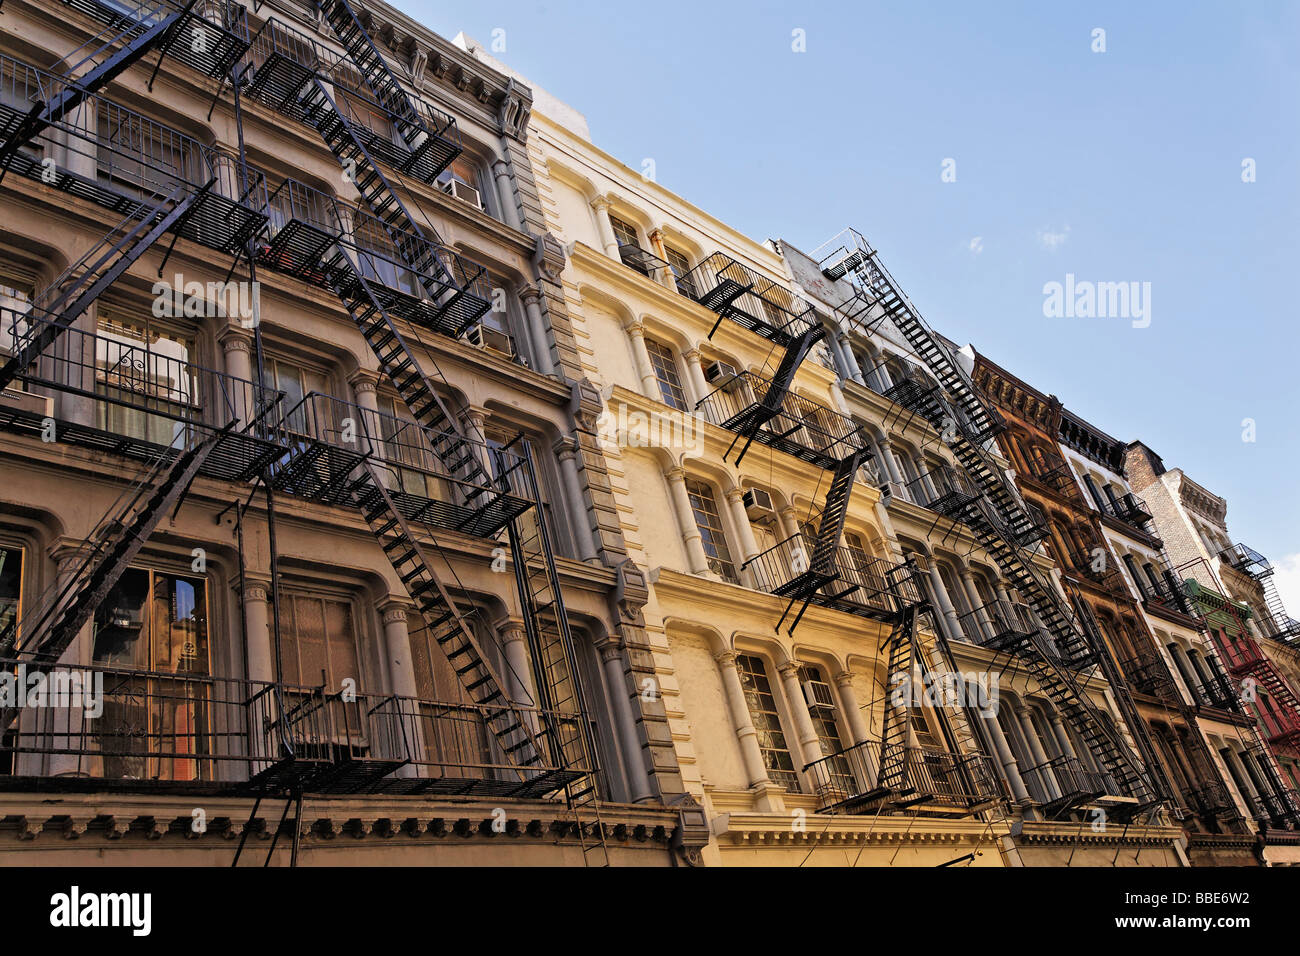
x: 1006, y: 758
x: 1062, y: 736
x: 695, y: 373
x: 697, y: 560
x: 748, y: 545
x: 612, y: 660
x: 809, y: 744
x: 506, y: 194
x: 64, y: 728
x: 666, y: 278
x: 750, y: 752
x: 857, y: 727
x: 401, y: 675
x: 566, y: 449
x: 891, y: 464
x: 260, y: 662
x: 519, y: 676
x: 538, y: 341
x: 237, y: 350
x: 476, y: 428
x: 1036, y: 751
x: 852, y: 370
x: 948, y: 613
x: 790, y: 522
x: 365, y: 384
x: 608, y: 241
x: 649, y: 382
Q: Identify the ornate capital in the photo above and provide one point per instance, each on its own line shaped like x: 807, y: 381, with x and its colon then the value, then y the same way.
x: 395, y: 613
x: 789, y: 669
x: 675, y: 473
x: 725, y: 658
x: 234, y: 339
x: 600, y: 204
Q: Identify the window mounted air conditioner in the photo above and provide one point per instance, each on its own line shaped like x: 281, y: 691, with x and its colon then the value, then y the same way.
x: 758, y: 503
x: 464, y: 192
x: 492, y: 339
x: 722, y: 375
x: 818, y: 695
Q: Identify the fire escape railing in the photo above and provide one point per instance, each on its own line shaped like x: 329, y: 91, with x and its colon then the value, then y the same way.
x: 845, y: 782
x: 282, y: 60
x: 748, y: 298
x: 1129, y: 509
x: 1275, y: 620
x: 856, y: 583
x: 800, y: 426
x: 210, y: 37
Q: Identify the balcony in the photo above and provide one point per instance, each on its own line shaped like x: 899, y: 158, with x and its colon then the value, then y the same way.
x: 1246, y: 560
x: 941, y: 490
x: 933, y: 780
x: 222, y: 23
x: 1129, y: 509
x: 851, y: 581
x: 1165, y: 592
x: 136, y: 162
x: 738, y: 293
x: 1064, y: 783
x: 184, y: 731
x: 1241, y: 655
x: 1210, y: 801
x: 1001, y: 626
x: 797, y: 426
x: 1218, y: 692
x: 141, y: 399
x: 1150, y: 675
x: 433, y: 480
x: 327, y: 242
x: 1058, y: 479
x: 420, y: 141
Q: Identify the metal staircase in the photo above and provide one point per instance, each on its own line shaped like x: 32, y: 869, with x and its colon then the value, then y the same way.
x: 998, y: 517
x: 72, y: 293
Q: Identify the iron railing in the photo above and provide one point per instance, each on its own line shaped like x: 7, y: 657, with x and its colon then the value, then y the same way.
x: 860, y: 584
x: 184, y: 727
x: 1130, y: 509
x: 999, y: 624
x: 1064, y: 780
x: 640, y: 260
x: 211, y: 37
x: 739, y: 293
x: 800, y: 426
x: 932, y: 779
x: 118, y: 158
x: 283, y: 60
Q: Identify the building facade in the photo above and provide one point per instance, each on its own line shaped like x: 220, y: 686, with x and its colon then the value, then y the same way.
x: 344, y: 547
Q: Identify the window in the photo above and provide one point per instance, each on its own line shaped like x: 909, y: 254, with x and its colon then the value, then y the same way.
x: 319, y: 650
x: 296, y: 382
x: 463, y: 181
x: 665, y: 369
x: 455, y: 734
x: 154, y: 726
x: 11, y: 586
x: 709, y: 522
x: 680, y: 265
x: 624, y: 232
x: 828, y: 735
x: 408, y: 453
x: 767, y: 722
x: 146, y: 380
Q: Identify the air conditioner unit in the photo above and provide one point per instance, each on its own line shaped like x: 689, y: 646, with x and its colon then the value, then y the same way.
x: 493, y: 339
x: 758, y: 503
x: 721, y: 374
x: 464, y: 192
x: 818, y: 695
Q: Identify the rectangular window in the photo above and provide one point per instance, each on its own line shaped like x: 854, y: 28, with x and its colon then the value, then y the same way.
x: 828, y: 735
x: 767, y: 722
x: 454, y: 730
x: 709, y: 522
x: 145, y: 380
x: 665, y: 369
x: 680, y: 265
x: 624, y: 232
x: 11, y: 585
x: 153, y: 626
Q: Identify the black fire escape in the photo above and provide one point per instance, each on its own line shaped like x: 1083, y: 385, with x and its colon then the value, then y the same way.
x: 1001, y: 522
x: 411, y: 480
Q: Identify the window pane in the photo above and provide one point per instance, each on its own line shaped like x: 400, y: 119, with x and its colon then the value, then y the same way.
x: 709, y: 523
x: 665, y: 369
x: 767, y: 723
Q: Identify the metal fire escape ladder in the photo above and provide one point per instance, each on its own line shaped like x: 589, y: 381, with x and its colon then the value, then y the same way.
x: 447, y: 626
x: 1003, y: 527
x: 72, y: 293
x: 770, y: 405
x: 135, y: 40
x: 113, y: 546
x: 557, y: 673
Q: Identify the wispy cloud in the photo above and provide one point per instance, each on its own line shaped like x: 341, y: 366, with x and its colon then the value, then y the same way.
x: 977, y: 245
x: 1052, y: 238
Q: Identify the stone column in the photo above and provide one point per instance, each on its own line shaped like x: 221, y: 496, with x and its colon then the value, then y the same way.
x: 790, y: 523
x: 809, y: 744
x: 976, y: 602
x: 365, y: 385
x: 857, y: 727
x: 851, y: 367
x: 697, y: 560
x: 1062, y: 736
x: 566, y: 449
x: 608, y: 241
x: 612, y: 660
x: 748, y: 545
x: 665, y: 277
x: 891, y: 465
x: 402, y: 721
x: 519, y: 674
x: 755, y: 769
x: 506, y: 194
x: 1007, y: 758
x: 237, y: 350
x: 649, y: 382
x: 63, y: 728
x: 947, y: 613
x: 1036, y: 751
x: 537, y: 330
x: 476, y: 432
x: 260, y: 663
x: 695, y: 375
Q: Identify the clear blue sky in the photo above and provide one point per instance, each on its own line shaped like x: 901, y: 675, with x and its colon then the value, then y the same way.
x: 1116, y: 166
